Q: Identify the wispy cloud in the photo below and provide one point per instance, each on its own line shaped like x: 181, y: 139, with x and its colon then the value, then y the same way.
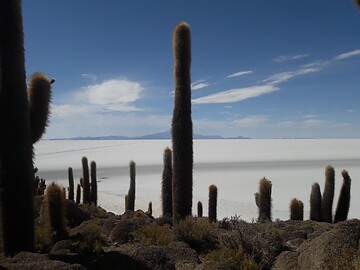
x: 91, y: 76
x: 235, y: 95
x: 285, y: 58
x: 287, y: 75
x: 347, y: 55
x: 240, y: 73
x: 251, y: 121
x: 285, y: 124
x: 199, y: 84
x: 315, y: 123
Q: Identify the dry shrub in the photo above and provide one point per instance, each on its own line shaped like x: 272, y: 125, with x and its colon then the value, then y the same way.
x: 154, y: 234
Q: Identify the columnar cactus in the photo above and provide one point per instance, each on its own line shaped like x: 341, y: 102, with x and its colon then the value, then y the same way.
x: 182, y: 129
x: 257, y: 195
x: 93, y: 182
x: 86, y: 180
x: 18, y: 124
x: 71, y: 184
x: 315, y: 203
x: 166, y: 188
x: 131, y: 193
x: 343, y: 205
x: 149, y: 211
x: 265, y: 187
x: 328, y: 195
x: 212, y: 203
x: 126, y: 202
x: 55, y: 203
x: 296, y: 209
x: 199, y: 209
x: 78, y: 193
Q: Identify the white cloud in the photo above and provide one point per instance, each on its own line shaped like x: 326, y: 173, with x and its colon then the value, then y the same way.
x: 227, y: 107
x: 235, y: 95
x: 199, y: 84
x: 287, y: 75
x: 91, y: 76
x: 310, y: 116
x: 347, y: 55
x: 315, y: 123
x: 284, y: 124
x: 251, y: 121
x: 68, y: 110
x: 284, y: 58
x: 240, y: 73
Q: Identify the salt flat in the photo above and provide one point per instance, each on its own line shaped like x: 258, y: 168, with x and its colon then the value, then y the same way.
x: 235, y: 166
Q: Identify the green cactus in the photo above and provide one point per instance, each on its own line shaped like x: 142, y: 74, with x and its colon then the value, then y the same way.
x: 93, y: 182
x: 131, y: 193
x: 182, y: 128
x: 328, y: 195
x: 86, y: 180
x: 265, y: 188
x: 212, y: 203
x: 199, y: 209
x: 78, y: 193
x: 296, y: 209
x: 315, y: 203
x: 166, y: 188
x: 71, y: 184
x: 343, y: 205
x: 55, y: 205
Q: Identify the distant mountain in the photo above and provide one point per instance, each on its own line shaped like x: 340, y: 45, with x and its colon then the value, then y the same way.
x: 156, y: 136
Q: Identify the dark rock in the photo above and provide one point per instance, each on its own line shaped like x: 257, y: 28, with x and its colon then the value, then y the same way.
x: 212, y: 266
x: 123, y: 229
x: 109, y: 225
x: 114, y: 260
x: 184, y: 257
x: 74, y: 214
x: 153, y: 257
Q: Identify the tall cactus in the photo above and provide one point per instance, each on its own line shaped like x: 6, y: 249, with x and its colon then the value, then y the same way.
x: 315, y: 203
x: 199, y: 209
x: 71, y: 183
x: 296, y: 209
x: 86, y: 180
x: 343, y: 205
x: 78, y: 194
x: 328, y: 195
x: 166, y: 188
x: 265, y: 188
x: 18, y: 124
x: 212, y: 203
x: 182, y: 128
x: 131, y: 193
x: 93, y: 182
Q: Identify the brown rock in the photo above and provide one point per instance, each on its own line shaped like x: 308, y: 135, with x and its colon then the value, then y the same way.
x: 184, y: 257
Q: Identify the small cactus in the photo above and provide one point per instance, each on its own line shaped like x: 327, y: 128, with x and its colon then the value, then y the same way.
x: 78, y: 193
x: 212, y: 203
x: 265, y: 188
x: 71, y: 184
x: 343, y: 205
x: 166, y: 188
x: 86, y: 180
x: 131, y: 193
x: 296, y: 209
x: 328, y: 195
x: 93, y: 182
x: 315, y: 203
x: 199, y: 209
x: 149, y: 211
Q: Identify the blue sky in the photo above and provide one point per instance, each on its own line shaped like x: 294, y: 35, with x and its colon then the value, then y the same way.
x: 263, y: 69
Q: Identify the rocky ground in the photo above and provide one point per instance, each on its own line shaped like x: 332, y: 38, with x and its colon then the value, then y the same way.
x: 135, y: 240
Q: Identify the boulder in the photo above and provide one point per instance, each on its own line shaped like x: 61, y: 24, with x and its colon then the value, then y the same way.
x: 184, y: 257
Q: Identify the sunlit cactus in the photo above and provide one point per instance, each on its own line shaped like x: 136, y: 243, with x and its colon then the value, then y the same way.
x: 166, y: 187
x: 296, y: 209
x: 328, y: 195
x: 131, y: 193
x: 315, y: 203
x: 212, y: 203
x: 265, y: 188
x: 343, y: 205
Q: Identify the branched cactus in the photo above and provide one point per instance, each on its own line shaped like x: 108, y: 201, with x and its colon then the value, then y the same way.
x: 265, y: 188
x: 212, y: 203
x: 55, y: 203
x: 86, y: 180
x: 131, y: 193
x: 71, y: 184
x: 296, y: 209
x: 166, y: 188
x: 315, y: 203
x: 182, y: 128
x: 343, y: 205
x: 328, y: 195
x: 93, y: 182
x: 78, y: 193
x: 199, y: 209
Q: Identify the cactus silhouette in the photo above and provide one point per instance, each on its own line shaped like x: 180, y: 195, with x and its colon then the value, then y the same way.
x: 328, y: 195
x: 199, y: 209
x: 71, y: 183
x: 131, y: 193
x: 265, y: 188
x: 93, y: 182
x: 212, y: 203
x: 315, y: 203
x: 182, y: 129
x: 126, y: 202
x: 166, y: 188
x: 78, y: 193
x: 256, y: 194
x: 343, y: 205
x: 296, y: 209
x: 86, y: 180
x: 149, y: 211
x: 55, y: 202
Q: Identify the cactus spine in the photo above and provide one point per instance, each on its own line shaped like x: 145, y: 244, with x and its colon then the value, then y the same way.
x: 265, y: 187
x: 86, y: 180
x: 71, y: 184
x: 343, y: 205
x: 55, y: 202
x: 93, y: 182
x: 78, y: 194
x: 166, y: 188
x: 182, y: 130
x: 199, y: 209
x: 328, y: 195
x: 296, y: 209
x: 131, y: 193
x: 315, y: 202
x: 212, y: 203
